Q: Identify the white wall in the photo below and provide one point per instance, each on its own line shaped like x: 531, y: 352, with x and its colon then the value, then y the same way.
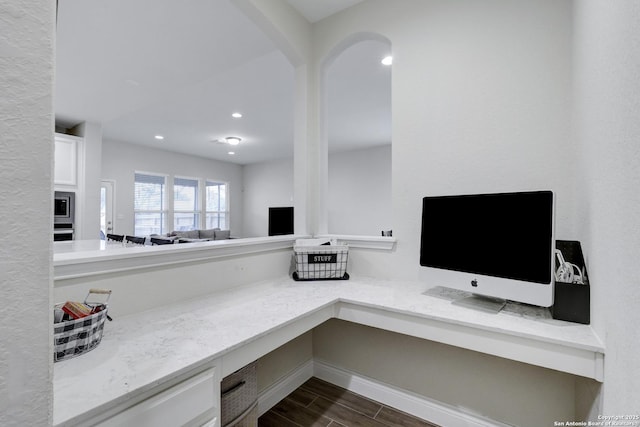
x: 282, y: 361
x: 26, y: 176
x: 480, y: 103
x: 121, y: 160
x: 607, y: 130
x: 483, y: 385
x: 359, y: 197
x: 267, y: 184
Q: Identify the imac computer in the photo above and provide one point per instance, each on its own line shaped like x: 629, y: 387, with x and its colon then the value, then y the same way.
x: 497, y: 246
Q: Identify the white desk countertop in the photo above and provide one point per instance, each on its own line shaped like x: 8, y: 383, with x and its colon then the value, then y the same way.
x: 141, y: 351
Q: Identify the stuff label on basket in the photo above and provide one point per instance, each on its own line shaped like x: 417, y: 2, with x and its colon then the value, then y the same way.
x: 322, y: 259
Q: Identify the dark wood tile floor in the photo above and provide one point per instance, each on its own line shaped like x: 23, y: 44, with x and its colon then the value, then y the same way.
x: 320, y: 404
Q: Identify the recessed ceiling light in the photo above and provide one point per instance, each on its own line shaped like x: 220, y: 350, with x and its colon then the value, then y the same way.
x: 387, y: 60
x: 231, y: 153
x: 160, y: 137
x: 236, y: 115
x: 233, y: 140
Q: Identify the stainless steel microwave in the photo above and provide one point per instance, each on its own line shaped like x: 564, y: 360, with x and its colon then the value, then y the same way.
x: 64, y: 207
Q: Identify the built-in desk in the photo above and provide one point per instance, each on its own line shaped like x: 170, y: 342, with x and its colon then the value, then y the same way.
x: 228, y: 329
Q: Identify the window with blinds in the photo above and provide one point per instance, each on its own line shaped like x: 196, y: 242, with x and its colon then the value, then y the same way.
x: 149, y: 205
x: 217, y: 209
x: 182, y: 204
x: 186, y: 215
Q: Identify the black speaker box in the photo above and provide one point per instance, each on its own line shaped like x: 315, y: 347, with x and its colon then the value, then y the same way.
x: 572, y: 301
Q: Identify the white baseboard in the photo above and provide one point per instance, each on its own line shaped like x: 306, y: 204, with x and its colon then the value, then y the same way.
x: 283, y: 387
x: 433, y: 411
x: 427, y: 409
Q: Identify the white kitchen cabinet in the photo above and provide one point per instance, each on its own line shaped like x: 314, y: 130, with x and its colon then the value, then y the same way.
x: 193, y: 402
x: 66, y: 161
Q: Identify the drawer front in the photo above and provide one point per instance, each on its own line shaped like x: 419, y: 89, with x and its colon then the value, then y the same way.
x: 180, y: 405
x: 247, y: 419
x: 239, y: 393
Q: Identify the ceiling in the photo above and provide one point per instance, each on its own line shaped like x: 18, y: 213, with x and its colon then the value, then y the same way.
x: 155, y: 67
x: 316, y: 10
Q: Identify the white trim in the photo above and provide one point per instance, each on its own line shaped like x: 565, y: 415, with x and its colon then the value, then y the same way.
x: 277, y: 391
x: 419, y: 406
x: 67, y: 265
x: 364, y: 242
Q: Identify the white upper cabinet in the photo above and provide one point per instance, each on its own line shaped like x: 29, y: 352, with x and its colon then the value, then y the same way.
x: 66, y: 161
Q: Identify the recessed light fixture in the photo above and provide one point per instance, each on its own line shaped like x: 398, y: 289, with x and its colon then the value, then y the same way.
x: 236, y: 115
x: 159, y: 137
x: 233, y: 140
x: 387, y: 60
x: 231, y: 153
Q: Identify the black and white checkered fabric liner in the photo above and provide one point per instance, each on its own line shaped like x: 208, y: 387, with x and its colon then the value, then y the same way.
x: 74, y: 337
x: 321, y: 262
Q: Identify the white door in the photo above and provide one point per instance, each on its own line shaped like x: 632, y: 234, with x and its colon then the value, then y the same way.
x: 106, y: 207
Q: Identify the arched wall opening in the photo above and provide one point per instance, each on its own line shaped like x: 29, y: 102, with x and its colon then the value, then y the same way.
x: 355, y: 137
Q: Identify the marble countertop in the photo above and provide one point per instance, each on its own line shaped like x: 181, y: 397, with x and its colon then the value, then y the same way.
x: 141, y: 351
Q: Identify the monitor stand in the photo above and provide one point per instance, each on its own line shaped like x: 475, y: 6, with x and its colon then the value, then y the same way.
x: 482, y: 303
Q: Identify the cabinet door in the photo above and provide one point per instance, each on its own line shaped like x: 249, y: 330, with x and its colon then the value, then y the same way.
x: 193, y: 401
x: 65, y: 162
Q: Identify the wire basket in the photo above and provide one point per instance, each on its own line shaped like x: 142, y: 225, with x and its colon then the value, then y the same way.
x: 239, y: 398
x: 321, y: 262
x: 74, y: 337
